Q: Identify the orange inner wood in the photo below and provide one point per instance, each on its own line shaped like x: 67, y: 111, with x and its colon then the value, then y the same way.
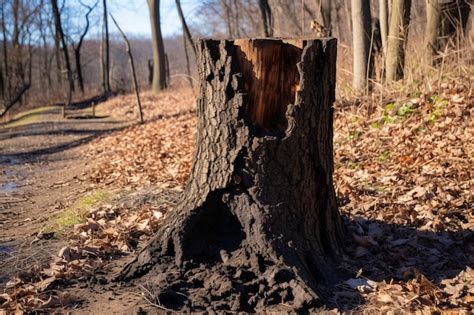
x: 271, y: 78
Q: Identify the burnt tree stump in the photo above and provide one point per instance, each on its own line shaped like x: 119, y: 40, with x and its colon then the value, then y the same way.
x: 258, y: 227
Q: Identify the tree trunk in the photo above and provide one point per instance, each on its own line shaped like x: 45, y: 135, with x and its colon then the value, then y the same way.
x: 159, y: 63
x: 326, y: 11
x: 77, y: 49
x: 383, y: 20
x: 6, y: 63
x: 266, y: 15
x: 132, y: 71
x: 397, y: 38
x: 186, y: 31
x: 258, y: 225
x: 106, y: 51
x: 361, y: 24
x: 60, y: 35
x: 188, y: 65
x: 433, y: 19
x: 454, y: 15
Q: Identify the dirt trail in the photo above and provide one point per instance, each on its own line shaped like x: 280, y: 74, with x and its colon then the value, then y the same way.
x: 40, y: 174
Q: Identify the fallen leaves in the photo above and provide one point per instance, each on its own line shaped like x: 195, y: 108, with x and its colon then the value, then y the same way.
x: 403, y: 176
x: 157, y: 152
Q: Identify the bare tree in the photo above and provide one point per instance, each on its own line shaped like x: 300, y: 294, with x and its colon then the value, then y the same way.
x: 361, y: 22
x: 383, y: 20
x: 159, y: 62
x: 7, y: 82
x: 187, y: 40
x: 60, y: 36
x: 397, y: 38
x: 132, y: 71
x: 433, y: 19
x: 105, y: 51
x: 186, y: 31
x: 326, y: 11
x: 77, y: 47
x: 266, y: 15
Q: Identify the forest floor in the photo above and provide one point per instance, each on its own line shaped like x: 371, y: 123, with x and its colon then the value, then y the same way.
x: 78, y: 196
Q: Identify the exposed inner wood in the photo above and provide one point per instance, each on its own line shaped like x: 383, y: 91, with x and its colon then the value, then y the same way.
x: 271, y: 78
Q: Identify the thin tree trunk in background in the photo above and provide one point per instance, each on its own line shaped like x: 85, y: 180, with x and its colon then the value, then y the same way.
x: 266, y: 15
x: 186, y: 31
x: 167, y: 71
x: 45, y: 74
x: 57, y: 57
x: 433, y: 19
x: 60, y: 34
x: 326, y: 11
x: 397, y: 38
x: 188, y: 66
x: 361, y: 23
x: 159, y: 61
x: 383, y: 20
x: 77, y: 49
x: 132, y: 71
x: 106, y: 51
x: 187, y: 38
x: 453, y: 23
x: 228, y: 21
x: 7, y: 83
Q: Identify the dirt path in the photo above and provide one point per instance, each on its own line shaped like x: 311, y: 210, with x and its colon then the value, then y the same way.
x: 40, y: 174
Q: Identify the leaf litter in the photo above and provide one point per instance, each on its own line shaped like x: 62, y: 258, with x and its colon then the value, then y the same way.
x: 403, y: 175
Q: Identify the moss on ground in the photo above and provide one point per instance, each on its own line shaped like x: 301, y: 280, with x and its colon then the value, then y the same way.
x: 76, y: 213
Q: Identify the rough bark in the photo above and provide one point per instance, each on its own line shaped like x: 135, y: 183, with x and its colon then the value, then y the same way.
x: 159, y: 63
x: 361, y: 24
x: 397, y: 38
x: 258, y: 224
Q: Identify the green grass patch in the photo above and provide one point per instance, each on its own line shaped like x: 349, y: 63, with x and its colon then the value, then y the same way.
x: 76, y: 213
x: 392, y: 114
x: 384, y: 156
x: 439, y: 105
x: 31, y: 116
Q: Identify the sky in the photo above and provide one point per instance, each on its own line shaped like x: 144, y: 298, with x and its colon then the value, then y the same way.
x: 133, y: 16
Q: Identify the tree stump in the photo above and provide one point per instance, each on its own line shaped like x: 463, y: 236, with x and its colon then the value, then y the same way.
x: 258, y: 226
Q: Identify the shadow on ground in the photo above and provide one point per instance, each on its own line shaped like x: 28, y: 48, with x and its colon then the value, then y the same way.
x: 389, y: 252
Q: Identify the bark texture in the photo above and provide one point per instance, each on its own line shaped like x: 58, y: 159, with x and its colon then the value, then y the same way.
x: 258, y: 224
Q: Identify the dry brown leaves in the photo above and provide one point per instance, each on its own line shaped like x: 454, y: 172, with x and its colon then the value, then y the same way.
x: 403, y: 176
x: 404, y: 179
x: 111, y: 231
x: 159, y: 151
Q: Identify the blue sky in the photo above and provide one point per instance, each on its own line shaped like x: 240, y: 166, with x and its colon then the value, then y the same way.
x: 133, y: 16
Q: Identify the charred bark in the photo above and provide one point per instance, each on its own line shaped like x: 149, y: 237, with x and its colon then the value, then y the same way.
x: 258, y: 224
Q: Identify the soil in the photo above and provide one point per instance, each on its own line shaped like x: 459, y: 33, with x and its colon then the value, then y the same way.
x: 41, y: 171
